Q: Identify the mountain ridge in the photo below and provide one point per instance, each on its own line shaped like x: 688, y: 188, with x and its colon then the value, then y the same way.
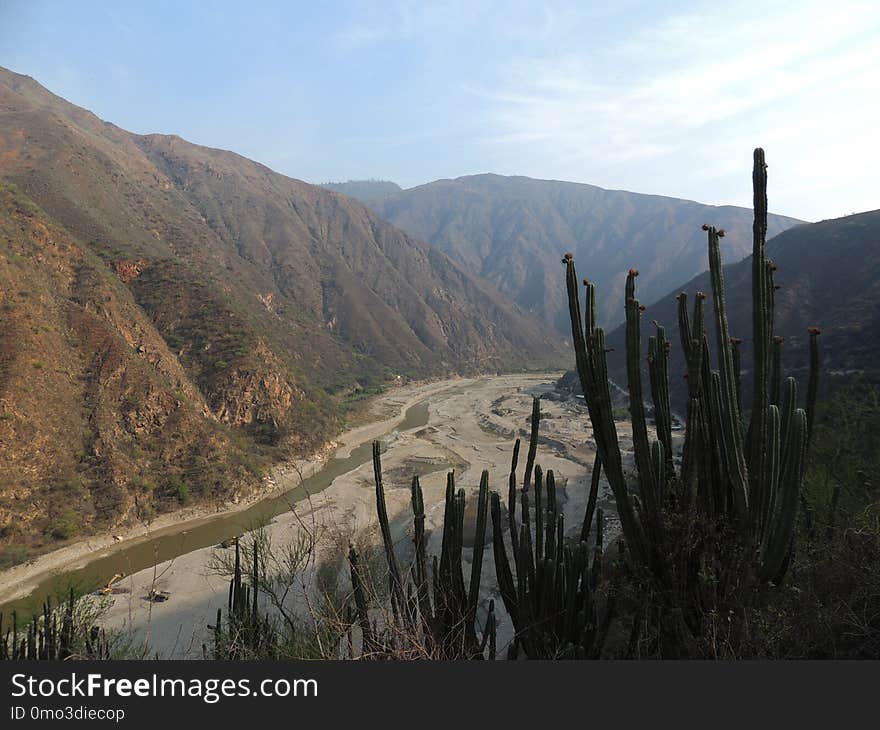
x: 263, y: 309
x: 828, y: 274
x: 512, y: 230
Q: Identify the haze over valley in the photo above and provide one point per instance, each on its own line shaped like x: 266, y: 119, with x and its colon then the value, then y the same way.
x: 477, y: 401
x: 512, y: 231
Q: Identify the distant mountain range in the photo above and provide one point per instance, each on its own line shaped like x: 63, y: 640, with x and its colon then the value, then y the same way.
x: 173, y: 317
x: 367, y: 191
x: 514, y: 230
x: 829, y: 277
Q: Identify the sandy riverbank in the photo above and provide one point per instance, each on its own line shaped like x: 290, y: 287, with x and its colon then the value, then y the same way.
x: 472, y: 425
x: 386, y: 411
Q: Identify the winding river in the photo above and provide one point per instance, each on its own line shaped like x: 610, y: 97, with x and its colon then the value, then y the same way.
x: 175, y: 540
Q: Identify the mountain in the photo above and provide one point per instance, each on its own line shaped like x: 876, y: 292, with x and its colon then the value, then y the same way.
x: 99, y: 420
x: 367, y: 191
x: 174, y: 317
x: 513, y: 231
x: 829, y: 277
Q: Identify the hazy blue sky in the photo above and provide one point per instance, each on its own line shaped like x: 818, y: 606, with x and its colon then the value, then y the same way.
x: 665, y: 98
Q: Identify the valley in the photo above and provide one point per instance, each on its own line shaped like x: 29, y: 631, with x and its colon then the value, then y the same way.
x: 467, y: 424
x: 198, y: 355
x: 175, y: 320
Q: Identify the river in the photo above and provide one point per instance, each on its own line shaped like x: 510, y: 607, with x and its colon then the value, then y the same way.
x: 175, y: 540
x: 465, y: 424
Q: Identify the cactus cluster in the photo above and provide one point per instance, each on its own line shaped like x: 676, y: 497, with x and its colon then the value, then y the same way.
x: 244, y: 634
x: 739, y: 478
x: 55, y: 635
x: 549, y: 586
x: 550, y: 590
x: 433, y: 615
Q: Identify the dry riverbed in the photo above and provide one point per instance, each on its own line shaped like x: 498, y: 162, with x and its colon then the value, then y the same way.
x: 472, y: 424
x: 385, y: 412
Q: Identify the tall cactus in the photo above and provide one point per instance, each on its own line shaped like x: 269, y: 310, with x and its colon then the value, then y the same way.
x: 549, y: 585
x: 550, y: 593
x: 438, y: 618
x: 244, y: 634
x: 56, y: 634
x: 742, y: 481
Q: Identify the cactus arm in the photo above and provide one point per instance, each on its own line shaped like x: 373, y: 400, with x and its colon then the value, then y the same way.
x: 533, y: 441
x: 721, y: 480
x: 589, y: 309
x: 591, y: 500
x: 658, y: 358
x: 489, y: 633
x: 552, y: 512
x: 813, y: 383
x: 539, y: 515
x: 729, y: 420
x: 502, y: 565
x: 382, y: 512
x: 774, y: 461
x: 526, y: 550
x: 790, y: 483
x: 659, y: 460
x: 511, y: 501
x: 647, y: 480
x: 421, y: 563
x: 458, y: 544
x: 479, y: 545
x: 360, y: 599
x: 737, y: 373
x: 684, y: 326
x: 760, y: 331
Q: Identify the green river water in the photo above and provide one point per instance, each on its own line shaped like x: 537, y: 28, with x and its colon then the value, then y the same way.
x: 170, y: 542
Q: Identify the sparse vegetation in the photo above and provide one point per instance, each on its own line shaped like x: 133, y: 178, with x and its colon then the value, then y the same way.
x: 188, y: 353
x: 65, y: 526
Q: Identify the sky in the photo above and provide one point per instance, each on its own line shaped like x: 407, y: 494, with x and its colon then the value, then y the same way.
x: 656, y: 97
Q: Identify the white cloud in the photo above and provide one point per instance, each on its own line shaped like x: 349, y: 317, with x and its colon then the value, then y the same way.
x: 680, y: 104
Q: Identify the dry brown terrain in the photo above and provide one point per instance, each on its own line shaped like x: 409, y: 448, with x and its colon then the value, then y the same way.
x: 471, y: 426
x: 176, y: 319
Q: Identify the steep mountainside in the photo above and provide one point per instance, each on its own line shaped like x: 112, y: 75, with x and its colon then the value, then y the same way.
x: 513, y: 231
x: 829, y: 277
x: 99, y: 422
x: 260, y: 303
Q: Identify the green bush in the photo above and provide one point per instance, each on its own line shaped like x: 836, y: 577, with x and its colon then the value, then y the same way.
x: 65, y: 526
x: 177, y: 488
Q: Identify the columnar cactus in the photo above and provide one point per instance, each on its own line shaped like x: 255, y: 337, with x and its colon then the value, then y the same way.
x: 550, y: 592
x: 705, y: 531
x: 548, y: 585
x: 44, y: 639
x: 745, y: 480
x: 438, y: 617
x: 244, y: 635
